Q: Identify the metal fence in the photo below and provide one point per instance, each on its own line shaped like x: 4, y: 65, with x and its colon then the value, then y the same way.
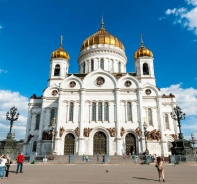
x: 176, y: 159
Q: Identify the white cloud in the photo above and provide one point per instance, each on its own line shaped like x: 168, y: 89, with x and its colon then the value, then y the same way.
x: 3, y: 71
x: 186, y: 98
x: 187, y: 17
x: 193, y: 2
x: 9, y: 99
x: 1, y: 27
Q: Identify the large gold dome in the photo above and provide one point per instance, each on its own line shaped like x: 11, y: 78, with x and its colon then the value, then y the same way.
x: 102, y: 37
x: 142, y: 51
x: 60, y: 52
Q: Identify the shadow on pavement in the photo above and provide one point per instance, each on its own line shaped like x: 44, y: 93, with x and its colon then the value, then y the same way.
x: 144, y: 178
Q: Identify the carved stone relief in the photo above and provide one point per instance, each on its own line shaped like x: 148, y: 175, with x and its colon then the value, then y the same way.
x: 122, y: 131
x: 112, y: 132
x: 77, y: 131
x: 154, y: 135
x: 61, y: 131
x: 138, y: 131
x: 87, y: 132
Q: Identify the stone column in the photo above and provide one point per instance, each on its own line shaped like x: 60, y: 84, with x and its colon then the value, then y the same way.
x: 58, y: 124
x: 90, y: 111
x: 125, y: 104
x: 81, y: 122
x: 140, y: 117
x: 160, y: 120
x: 103, y: 111
x: 118, y: 137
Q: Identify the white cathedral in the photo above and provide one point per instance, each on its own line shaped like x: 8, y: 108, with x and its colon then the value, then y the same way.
x: 103, y: 109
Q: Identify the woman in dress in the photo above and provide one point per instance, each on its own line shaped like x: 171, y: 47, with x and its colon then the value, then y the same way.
x: 7, y: 166
x: 160, y: 168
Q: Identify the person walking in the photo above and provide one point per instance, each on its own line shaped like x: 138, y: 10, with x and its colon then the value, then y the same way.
x: 7, y: 167
x: 3, y: 161
x: 20, y: 159
x: 160, y: 168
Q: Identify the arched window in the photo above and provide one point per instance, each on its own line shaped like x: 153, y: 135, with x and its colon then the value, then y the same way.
x: 84, y: 67
x: 119, y: 67
x: 100, y: 112
x: 167, y: 121
x: 92, y: 65
x: 150, y: 119
x: 34, y: 148
x: 71, y: 111
x: 52, y: 118
x: 129, y: 111
x: 93, y: 111
x: 106, y: 110
x: 57, y: 70
x: 37, y: 122
x: 145, y: 69
x: 102, y: 63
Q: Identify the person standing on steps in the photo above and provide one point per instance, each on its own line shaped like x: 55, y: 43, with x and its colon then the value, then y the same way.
x: 20, y: 159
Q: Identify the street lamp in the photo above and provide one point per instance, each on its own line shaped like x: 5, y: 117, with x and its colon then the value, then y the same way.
x: 145, y: 134
x: 178, y: 115
x: 12, y: 116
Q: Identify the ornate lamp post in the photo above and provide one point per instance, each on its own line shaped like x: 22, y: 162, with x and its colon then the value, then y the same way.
x: 12, y: 116
x: 178, y: 115
x: 145, y: 134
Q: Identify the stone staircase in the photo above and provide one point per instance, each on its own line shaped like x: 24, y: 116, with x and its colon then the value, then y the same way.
x: 92, y: 159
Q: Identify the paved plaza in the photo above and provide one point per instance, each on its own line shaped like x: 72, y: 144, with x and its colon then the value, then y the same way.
x: 96, y: 174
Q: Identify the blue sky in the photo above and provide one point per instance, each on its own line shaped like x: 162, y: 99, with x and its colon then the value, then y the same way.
x: 30, y: 31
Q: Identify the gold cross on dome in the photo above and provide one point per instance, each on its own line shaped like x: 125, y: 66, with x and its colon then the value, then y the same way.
x: 61, y: 40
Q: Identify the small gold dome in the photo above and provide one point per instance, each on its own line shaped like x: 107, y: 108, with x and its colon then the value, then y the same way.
x: 60, y: 52
x: 143, y: 51
x: 102, y: 37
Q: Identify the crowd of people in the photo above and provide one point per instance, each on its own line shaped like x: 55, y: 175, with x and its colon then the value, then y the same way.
x: 5, y: 163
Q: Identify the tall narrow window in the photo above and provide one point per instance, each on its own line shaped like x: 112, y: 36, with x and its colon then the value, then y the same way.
x: 71, y: 111
x: 37, y: 122
x: 129, y: 111
x: 52, y: 118
x: 145, y: 69
x: 93, y: 111
x: 106, y: 109
x: 92, y: 65
x: 57, y: 70
x: 167, y: 121
x: 102, y: 63
x: 34, y: 148
x: 119, y: 67
x: 84, y: 67
x: 100, y: 113
x: 150, y: 119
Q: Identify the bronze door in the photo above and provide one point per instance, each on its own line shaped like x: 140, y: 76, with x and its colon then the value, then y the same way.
x: 130, y: 143
x: 69, y: 144
x: 100, y: 143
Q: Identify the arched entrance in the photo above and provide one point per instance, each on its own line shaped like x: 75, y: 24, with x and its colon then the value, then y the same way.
x: 69, y: 144
x: 130, y: 143
x: 100, y: 143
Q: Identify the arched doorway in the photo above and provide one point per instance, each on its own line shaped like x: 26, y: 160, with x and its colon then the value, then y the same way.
x: 130, y: 143
x: 69, y: 144
x: 100, y: 143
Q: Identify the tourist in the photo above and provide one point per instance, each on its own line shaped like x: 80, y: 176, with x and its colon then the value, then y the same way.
x: 86, y: 158
x: 160, y: 168
x: 3, y: 161
x: 7, y: 166
x: 20, y: 159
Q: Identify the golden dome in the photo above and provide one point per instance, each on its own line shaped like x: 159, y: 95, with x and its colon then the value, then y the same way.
x: 142, y: 51
x: 102, y: 37
x: 60, y: 52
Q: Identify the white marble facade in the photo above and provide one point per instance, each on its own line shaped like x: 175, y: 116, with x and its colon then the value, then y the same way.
x: 103, y: 97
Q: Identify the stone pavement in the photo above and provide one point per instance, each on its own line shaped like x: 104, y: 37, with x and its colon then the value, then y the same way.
x: 96, y: 174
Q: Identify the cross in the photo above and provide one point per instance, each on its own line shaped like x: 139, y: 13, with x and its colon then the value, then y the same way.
x: 141, y: 42
x: 61, y: 39
x: 54, y: 119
